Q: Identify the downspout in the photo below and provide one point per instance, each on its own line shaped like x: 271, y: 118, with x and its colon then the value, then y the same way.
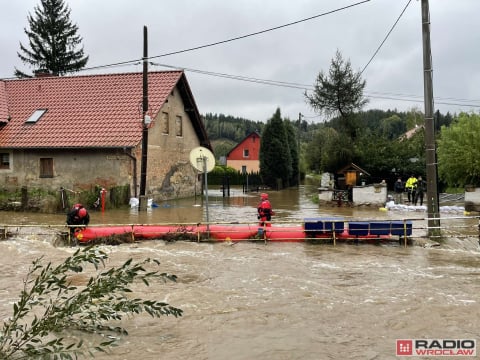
x: 134, y: 160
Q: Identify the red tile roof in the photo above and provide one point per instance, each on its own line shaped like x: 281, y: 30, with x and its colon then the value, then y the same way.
x: 82, y: 111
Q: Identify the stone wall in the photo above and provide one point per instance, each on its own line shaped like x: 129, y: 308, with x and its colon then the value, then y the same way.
x: 75, y: 170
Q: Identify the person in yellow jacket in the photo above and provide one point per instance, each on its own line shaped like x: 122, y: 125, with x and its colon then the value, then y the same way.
x: 411, y: 186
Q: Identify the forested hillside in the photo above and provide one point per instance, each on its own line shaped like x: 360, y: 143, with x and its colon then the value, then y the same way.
x: 380, y: 146
x: 226, y: 131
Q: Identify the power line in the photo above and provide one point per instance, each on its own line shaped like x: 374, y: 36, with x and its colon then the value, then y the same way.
x: 239, y: 77
x: 410, y: 98
x: 232, y: 39
x: 264, y: 31
x: 386, y: 37
x: 373, y: 95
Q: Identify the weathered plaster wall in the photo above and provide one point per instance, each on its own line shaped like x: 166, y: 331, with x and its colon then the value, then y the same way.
x: 72, y: 169
x: 369, y: 195
x: 170, y: 174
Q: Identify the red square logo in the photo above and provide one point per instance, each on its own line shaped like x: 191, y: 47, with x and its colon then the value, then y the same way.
x: 404, y: 347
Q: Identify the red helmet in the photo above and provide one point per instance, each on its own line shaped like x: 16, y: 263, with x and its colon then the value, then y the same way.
x: 82, y: 212
x: 264, y: 196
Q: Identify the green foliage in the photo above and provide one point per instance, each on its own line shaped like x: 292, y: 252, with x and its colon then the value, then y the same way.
x: 222, y: 147
x: 415, y: 118
x: 228, y: 127
x: 292, y: 137
x: 442, y: 120
x: 53, y: 40
x: 457, y: 151
x: 392, y: 127
x: 329, y: 151
x: 219, y: 175
x: 379, y: 146
x: 56, y: 308
x: 340, y: 92
x: 275, y: 155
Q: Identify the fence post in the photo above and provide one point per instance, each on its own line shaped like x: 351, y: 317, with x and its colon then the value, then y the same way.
x: 334, y: 234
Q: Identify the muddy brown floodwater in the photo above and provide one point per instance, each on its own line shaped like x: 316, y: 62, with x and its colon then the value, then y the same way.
x: 279, y: 300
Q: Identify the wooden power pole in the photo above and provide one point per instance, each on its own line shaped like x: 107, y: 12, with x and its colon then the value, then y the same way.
x: 430, y: 145
x: 143, y: 201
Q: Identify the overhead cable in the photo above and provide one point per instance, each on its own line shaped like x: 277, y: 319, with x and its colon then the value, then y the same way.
x: 386, y: 37
x: 373, y: 95
x: 233, y: 39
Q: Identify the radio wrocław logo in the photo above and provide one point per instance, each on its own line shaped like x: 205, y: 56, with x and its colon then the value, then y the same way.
x: 436, y: 347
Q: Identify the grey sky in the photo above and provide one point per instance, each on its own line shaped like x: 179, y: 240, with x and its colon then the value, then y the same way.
x: 112, y: 32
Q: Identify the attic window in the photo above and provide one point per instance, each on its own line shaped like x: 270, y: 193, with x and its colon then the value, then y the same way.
x: 178, y: 126
x: 4, y: 161
x: 37, y: 114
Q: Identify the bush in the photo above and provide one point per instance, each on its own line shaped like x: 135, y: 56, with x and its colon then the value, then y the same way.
x: 66, y: 308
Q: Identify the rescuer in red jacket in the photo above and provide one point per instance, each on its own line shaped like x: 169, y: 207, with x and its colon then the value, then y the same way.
x: 265, y: 211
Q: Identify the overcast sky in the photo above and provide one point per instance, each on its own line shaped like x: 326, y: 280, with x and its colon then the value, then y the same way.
x: 112, y: 32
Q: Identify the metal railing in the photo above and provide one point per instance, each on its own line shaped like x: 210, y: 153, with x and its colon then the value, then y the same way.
x: 319, y: 230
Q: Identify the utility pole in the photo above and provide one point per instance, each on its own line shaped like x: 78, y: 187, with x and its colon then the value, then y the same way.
x: 143, y: 201
x: 430, y: 145
x: 298, y: 146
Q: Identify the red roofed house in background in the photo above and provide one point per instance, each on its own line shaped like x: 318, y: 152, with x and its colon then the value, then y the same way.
x: 76, y: 132
x: 245, y: 156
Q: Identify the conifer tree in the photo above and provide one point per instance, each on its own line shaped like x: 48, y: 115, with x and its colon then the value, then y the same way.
x: 275, y: 156
x: 53, y: 41
x: 292, y: 136
x: 340, y: 92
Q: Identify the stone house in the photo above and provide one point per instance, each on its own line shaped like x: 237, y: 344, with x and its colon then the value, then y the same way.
x: 244, y: 157
x: 78, y: 132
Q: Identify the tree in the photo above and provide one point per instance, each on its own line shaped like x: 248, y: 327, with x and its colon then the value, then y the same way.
x: 53, y: 41
x: 275, y: 156
x: 392, y: 127
x: 441, y: 120
x: 293, y: 140
x: 415, y: 118
x: 340, y: 92
x: 457, y: 151
x: 329, y: 151
x: 55, y: 307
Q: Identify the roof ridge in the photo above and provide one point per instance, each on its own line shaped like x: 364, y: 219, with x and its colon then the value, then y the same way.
x: 70, y: 76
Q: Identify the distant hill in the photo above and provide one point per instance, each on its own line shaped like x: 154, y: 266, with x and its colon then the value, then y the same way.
x: 221, y: 147
x: 226, y: 131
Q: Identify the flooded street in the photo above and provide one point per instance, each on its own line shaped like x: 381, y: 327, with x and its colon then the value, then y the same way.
x: 279, y: 300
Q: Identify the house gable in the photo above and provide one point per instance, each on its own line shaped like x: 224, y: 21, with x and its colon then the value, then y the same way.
x: 246, y: 154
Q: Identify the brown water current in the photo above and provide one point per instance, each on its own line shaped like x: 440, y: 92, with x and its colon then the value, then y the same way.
x: 276, y: 300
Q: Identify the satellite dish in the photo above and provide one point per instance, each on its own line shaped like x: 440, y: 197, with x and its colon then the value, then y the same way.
x: 202, y: 159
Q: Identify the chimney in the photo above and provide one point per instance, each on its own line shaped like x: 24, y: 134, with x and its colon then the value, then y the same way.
x: 41, y: 73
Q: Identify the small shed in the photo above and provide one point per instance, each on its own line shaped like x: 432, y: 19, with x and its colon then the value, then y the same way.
x: 351, y: 175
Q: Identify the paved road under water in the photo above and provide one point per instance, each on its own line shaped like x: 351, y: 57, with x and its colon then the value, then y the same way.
x: 280, y: 300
